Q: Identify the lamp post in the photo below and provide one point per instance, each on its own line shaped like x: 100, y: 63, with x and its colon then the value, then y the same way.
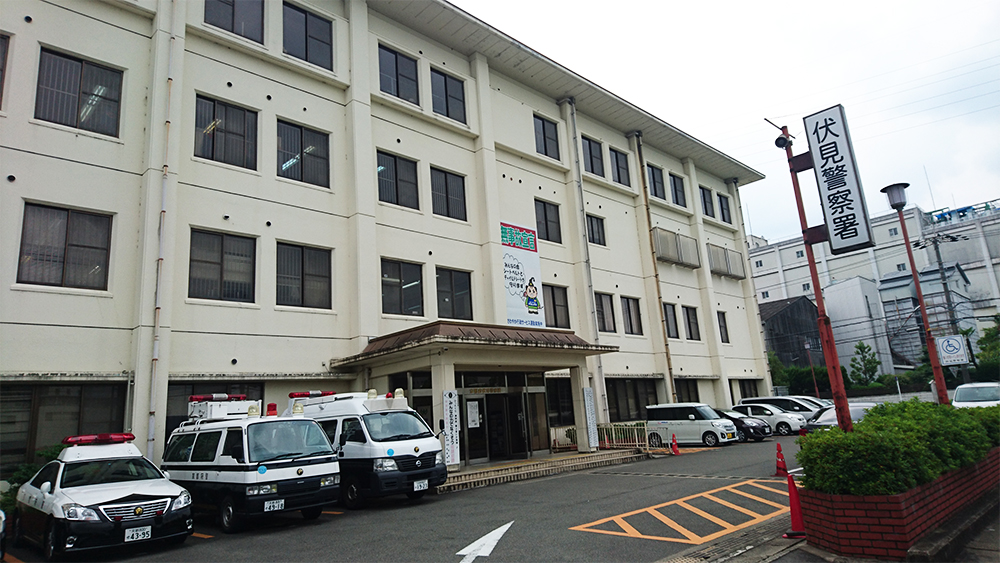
x: 897, y: 200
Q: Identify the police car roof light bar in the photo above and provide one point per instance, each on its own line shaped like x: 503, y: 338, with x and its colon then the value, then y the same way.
x: 216, y: 397
x: 310, y: 394
x: 89, y: 439
x: 272, y: 409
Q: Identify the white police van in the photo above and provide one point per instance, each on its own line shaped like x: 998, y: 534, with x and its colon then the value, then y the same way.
x: 386, y: 448
x: 243, y: 464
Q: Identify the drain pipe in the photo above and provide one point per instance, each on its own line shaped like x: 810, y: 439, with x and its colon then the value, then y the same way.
x: 591, y: 300
x: 643, y: 178
x: 157, y: 298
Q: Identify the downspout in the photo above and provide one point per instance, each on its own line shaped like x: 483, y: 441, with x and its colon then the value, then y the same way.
x: 582, y: 211
x: 157, y: 304
x: 643, y: 178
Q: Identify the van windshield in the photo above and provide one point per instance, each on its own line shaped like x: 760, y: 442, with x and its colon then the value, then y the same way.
x: 399, y: 425
x: 707, y: 413
x: 286, y: 439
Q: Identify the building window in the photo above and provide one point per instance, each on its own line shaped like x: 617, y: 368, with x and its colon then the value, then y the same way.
x: 222, y: 267
x: 547, y: 221
x: 242, y: 17
x: 631, y: 316
x: 901, y: 267
x: 800, y: 253
x: 758, y: 264
x: 723, y: 327
x: 619, y: 167
x: 4, y: 41
x: 765, y: 294
x: 225, y: 133
x: 77, y: 93
x: 687, y: 390
x: 691, y: 323
x: 64, y: 248
x: 627, y: 398
x: 724, y: 213
x: 593, y: 157
x: 677, y: 190
x: 670, y: 317
x: 595, y: 230
x: 893, y: 231
x: 397, y: 74
x: 805, y: 287
x: 448, y: 95
x: 556, y: 306
x: 546, y: 138
x: 706, y: 202
x: 454, y: 290
x: 448, y: 194
x: 303, y: 154
x: 402, y: 288
x: 308, y: 37
x: 560, y: 395
x: 656, y: 186
x: 748, y: 388
x: 303, y: 276
x: 605, y: 312
x: 397, y: 180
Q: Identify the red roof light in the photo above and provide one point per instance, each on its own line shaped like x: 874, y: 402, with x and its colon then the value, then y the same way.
x: 99, y: 439
x: 308, y: 394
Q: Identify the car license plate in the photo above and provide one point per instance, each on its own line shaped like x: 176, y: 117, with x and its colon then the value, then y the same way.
x: 270, y: 505
x: 729, y: 434
x: 136, y: 534
x: 420, y: 485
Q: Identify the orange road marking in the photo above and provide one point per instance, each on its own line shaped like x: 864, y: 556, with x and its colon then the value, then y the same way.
x: 331, y: 512
x: 758, y: 499
x: 780, y: 492
x: 202, y: 536
x: 687, y: 533
x: 11, y: 559
x: 735, y: 507
x: 722, y: 523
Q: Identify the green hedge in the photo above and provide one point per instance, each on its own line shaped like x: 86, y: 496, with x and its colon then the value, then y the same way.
x: 896, y: 447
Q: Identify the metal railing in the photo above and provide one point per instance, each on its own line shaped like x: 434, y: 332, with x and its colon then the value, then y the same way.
x: 622, y: 436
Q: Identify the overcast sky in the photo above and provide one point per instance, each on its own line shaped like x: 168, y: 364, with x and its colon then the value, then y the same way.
x: 919, y: 81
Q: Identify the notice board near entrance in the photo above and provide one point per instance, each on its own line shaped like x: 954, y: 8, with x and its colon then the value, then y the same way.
x: 452, y: 427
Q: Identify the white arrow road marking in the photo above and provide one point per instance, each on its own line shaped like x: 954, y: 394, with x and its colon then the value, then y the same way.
x: 484, y: 545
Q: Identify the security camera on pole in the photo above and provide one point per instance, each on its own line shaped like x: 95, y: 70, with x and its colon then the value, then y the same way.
x: 846, y: 228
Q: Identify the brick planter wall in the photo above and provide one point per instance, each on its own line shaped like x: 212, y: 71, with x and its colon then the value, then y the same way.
x: 886, y: 526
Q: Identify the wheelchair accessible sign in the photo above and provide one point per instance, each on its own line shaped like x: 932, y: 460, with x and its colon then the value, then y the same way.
x: 951, y: 350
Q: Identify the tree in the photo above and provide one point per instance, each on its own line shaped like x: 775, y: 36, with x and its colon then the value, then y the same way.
x: 777, y: 369
x: 864, y: 365
x: 989, y: 343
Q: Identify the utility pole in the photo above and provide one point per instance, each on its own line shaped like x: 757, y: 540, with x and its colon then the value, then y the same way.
x: 937, y: 240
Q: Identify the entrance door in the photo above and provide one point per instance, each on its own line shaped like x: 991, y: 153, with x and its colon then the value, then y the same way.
x: 498, y: 427
x: 477, y: 447
x: 518, y: 424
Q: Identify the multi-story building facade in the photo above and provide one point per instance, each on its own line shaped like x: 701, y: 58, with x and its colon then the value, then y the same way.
x: 265, y: 197
x: 969, y: 236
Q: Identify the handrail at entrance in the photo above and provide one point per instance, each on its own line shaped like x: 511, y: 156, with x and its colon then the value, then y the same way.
x: 622, y: 435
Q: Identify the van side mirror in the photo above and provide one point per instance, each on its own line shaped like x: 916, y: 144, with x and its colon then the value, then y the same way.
x: 690, y: 417
x: 46, y: 488
x: 342, y: 440
x: 237, y: 453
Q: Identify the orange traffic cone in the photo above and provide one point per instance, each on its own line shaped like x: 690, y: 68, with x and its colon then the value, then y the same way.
x: 798, y: 526
x: 782, y: 470
x: 673, y: 445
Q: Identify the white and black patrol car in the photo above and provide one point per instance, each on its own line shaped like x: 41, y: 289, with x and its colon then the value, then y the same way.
x: 242, y: 464
x: 100, y: 492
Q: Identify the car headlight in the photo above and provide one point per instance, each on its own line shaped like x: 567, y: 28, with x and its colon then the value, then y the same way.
x: 439, y: 458
x: 181, y: 501
x: 718, y: 424
x: 262, y: 489
x: 81, y: 513
x: 329, y: 480
x: 385, y: 464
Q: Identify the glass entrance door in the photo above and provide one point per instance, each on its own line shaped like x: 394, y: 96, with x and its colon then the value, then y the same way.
x: 477, y: 448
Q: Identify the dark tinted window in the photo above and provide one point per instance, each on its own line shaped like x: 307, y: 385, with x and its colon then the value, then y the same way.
x: 78, y: 93
x: 707, y: 207
x: 593, y: 157
x: 402, y: 288
x: 179, y: 448
x: 242, y: 17
x: 308, y: 37
x: 303, y: 154
x: 546, y: 138
x: 303, y: 276
x: 619, y: 167
x: 677, y: 190
x: 547, y: 221
x: 605, y: 312
x: 225, y: 133
x: 234, y: 437
x: 454, y: 291
x: 448, y: 95
x: 397, y: 74
x: 556, y: 306
x: 397, y: 180
x: 595, y: 230
x: 47, y: 474
x: 65, y: 248
x: 448, y: 194
x: 656, y: 187
x: 205, y: 446
x: 222, y: 267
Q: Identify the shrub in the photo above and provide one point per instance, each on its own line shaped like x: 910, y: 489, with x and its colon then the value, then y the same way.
x: 896, y: 447
x: 24, y: 472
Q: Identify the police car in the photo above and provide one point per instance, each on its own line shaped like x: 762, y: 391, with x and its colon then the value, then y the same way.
x: 100, y: 492
x: 242, y: 464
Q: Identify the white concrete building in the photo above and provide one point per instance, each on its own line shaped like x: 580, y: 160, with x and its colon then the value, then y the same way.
x: 857, y: 308
x: 264, y: 197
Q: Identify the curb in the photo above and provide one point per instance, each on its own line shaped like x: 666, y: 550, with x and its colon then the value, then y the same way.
x: 944, y: 543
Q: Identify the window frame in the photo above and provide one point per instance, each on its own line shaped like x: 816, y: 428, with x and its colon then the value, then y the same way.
x: 546, y: 137
x: 444, y: 80
x: 452, y: 292
x: 604, y: 308
x: 396, y: 188
x: 707, y: 205
x: 593, y: 163
x: 656, y: 186
x: 249, y: 136
x: 631, y: 316
x: 222, y: 267
x: 724, y: 212
x: 83, y: 67
x: 619, y: 167
x: 723, y: 327
x: 393, y: 80
x: 677, y: 193
x: 556, y: 300
x: 595, y: 230
x: 326, y: 302
x: 303, y: 155
x: 308, y: 17
x: 670, y: 318
x: 548, y: 221
x: 67, y: 247
x: 765, y: 294
x: 232, y: 23
x: 691, y: 329
x: 4, y: 49
x: 401, y: 285
x: 441, y: 194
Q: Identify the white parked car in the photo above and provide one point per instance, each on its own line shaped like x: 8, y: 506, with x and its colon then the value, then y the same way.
x: 784, y: 423
x: 977, y: 395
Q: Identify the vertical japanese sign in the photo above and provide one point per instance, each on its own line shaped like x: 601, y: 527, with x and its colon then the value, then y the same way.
x: 452, y: 427
x: 522, y: 276
x: 588, y: 406
x: 839, y: 183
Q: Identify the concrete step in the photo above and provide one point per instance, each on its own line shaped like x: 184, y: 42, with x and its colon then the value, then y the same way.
x: 533, y: 470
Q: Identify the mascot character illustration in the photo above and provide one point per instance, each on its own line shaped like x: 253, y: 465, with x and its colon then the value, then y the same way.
x: 531, y: 297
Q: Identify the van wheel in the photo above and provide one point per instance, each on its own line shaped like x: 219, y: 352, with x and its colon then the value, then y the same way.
x: 229, y: 521
x: 710, y: 439
x: 415, y: 495
x: 350, y: 493
x: 783, y: 428
x: 655, y: 441
x: 312, y: 512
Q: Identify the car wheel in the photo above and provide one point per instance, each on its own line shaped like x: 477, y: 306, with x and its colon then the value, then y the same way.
x: 229, y: 521
x: 741, y: 436
x: 710, y: 439
x: 350, y: 494
x: 655, y: 441
x: 783, y: 428
x: 312, y: 512
x: 50, y: 545
x: 415, y: 495
x: 17, y: 534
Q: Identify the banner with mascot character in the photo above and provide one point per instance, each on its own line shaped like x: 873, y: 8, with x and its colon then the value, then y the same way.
x: 522, y: 277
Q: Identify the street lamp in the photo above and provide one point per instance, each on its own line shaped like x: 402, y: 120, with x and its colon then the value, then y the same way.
x: 897, y: 200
